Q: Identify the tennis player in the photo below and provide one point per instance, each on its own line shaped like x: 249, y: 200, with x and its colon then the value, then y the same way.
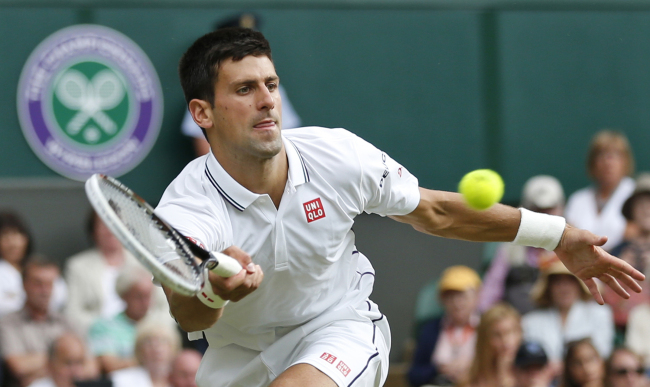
x: 283, y: 204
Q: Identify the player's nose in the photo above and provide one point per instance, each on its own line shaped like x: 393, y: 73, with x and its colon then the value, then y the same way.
x: 266, y: 99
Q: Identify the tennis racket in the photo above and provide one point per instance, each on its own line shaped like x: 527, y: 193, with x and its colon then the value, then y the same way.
x: 172, y: 258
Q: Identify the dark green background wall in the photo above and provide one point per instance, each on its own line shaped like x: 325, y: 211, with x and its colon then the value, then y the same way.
x: 443, y: 89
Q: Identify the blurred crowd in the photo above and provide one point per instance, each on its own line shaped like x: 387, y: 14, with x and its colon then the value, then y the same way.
x: 525, y: 320
x: 100, y: 322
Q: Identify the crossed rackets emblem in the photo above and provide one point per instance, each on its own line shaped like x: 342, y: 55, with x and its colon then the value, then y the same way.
x: 90, y: 98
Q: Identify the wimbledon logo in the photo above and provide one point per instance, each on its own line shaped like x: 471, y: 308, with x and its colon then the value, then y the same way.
x: 89, y: 100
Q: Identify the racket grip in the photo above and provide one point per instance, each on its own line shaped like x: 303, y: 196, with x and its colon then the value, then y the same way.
x: 227, y: 266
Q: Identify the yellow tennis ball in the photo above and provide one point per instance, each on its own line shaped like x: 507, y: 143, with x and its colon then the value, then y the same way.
x: 481, y: 188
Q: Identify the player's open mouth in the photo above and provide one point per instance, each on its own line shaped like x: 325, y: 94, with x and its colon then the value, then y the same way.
x: 265, y: 124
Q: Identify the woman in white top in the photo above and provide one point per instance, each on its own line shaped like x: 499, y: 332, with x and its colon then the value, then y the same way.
x: 156, y: 347
x: 15, y: 247
x: 597, y: 208
x: 566, y: 313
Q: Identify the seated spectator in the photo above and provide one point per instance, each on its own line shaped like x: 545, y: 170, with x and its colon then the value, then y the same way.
x: 583, y: 366
x: 155, y: 349
x: 635, y: 251
x: 597, y: 208
x: 637, y: 336
x: 91, y: 277
x: 566, y: 312
x: 184, y: 368
x: 67, y: 363
x: 112, y: 340
x: 497, y: 341
x: 624, y: 368
x: 531, y: 368
x: 16, y: 245
x: 446, y: 345
x: 515, y: 268
x: 25, y: 335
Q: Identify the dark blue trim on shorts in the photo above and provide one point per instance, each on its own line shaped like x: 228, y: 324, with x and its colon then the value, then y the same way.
x: 364, y: 368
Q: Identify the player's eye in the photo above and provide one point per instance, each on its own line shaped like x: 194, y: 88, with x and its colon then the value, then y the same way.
x: 243, y: 90
x: 272, y: 86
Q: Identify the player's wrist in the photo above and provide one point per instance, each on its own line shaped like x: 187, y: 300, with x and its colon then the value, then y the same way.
x: 207, y: 296
x: 540, y: 230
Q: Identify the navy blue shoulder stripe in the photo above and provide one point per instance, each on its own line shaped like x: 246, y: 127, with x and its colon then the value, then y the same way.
x: 221, y: 191
x: 305, y: 172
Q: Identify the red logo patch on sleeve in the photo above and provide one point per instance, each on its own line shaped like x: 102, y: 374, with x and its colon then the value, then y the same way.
x: 345, y: 370
x: 328, y: 357
x: 314, y: 210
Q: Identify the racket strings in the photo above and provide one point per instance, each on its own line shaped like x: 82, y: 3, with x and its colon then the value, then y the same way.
x: 154, y: 235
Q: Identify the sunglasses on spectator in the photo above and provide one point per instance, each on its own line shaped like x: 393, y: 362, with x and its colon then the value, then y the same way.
x: 625, y: 371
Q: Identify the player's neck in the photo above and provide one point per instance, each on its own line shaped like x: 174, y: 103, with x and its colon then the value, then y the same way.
x: 267, y: 176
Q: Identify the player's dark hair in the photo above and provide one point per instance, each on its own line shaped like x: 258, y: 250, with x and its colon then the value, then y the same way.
x: 198, y: 68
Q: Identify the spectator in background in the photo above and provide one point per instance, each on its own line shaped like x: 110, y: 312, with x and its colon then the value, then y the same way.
x: 531, y: 368
x: 515, y: 268
x: 497, y: 341
x: 112, y: 340
x: 583, y: 366
x: 566, y: 312
x: 91, y: 276
x: 597, y: 208
x: 155, y: 348
x: 184, y: 368
x: 67, y: 361
x: 635, y: 251
x: 16, y: 245
x: 26, y: 334
x: 624, y: 368
x: 290, y: 118
x: 446, y: 345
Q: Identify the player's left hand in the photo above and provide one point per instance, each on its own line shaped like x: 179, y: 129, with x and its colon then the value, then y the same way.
x: 581, y: 253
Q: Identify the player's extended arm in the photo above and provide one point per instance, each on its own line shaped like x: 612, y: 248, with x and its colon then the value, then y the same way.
x: 193, y: 315
x: 445, y: 214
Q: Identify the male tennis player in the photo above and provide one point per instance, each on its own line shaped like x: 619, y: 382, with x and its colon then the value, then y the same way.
x: 283, y: 204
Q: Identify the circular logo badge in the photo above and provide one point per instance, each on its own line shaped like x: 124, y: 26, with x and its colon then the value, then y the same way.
x: 89, y: 101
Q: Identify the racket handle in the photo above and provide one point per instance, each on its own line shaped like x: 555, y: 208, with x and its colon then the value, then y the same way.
x: 227, y: 266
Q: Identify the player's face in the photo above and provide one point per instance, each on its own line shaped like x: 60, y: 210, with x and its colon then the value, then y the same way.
x: 246, y: 113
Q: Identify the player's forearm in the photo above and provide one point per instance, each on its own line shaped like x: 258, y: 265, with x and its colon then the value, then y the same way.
x: 445, y: 214
x: 190, y: 313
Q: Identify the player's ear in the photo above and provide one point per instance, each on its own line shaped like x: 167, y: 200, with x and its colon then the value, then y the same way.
x: 201, y: 112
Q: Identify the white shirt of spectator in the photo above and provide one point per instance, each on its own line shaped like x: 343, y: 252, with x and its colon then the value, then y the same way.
x: 581, y: 211
x: 306, y: 246
x: 112, y: 304
x: 290, y: 118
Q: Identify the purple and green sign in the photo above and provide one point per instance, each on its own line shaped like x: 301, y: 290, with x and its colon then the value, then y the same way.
x: 89, y: 101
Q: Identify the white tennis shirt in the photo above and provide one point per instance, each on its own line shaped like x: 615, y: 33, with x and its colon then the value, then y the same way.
x: 306, y: 247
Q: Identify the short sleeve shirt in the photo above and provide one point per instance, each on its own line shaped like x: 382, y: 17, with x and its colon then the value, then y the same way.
x: 306, y: 247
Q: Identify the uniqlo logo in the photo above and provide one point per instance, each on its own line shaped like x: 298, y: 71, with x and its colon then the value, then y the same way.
x: 314, y: 210
x: 345, y: 370
x: 328, y: 358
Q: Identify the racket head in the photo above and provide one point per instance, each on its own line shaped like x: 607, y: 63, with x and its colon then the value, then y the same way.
x: 157, y: 245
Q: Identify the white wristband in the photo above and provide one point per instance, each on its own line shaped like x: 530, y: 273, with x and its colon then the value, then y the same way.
x: 539, y: 230
x: 207, y: 296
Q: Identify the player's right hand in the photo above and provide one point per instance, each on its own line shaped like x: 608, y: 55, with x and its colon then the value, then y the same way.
x: 241, y: 284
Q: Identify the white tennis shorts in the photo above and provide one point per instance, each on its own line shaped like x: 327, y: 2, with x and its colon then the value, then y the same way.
x: 352, y: 351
